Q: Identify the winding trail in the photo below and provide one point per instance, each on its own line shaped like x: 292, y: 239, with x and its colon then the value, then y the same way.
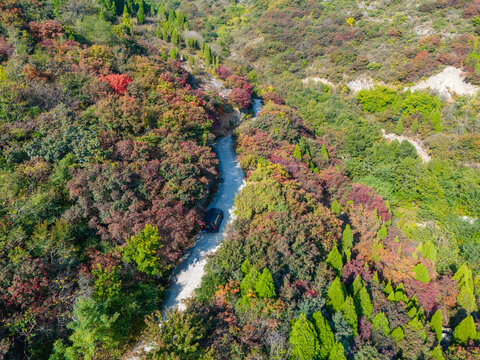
x: 421, y: 151
x: 188, y: 275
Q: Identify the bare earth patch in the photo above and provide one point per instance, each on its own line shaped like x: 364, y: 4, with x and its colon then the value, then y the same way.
x: 421, y: 151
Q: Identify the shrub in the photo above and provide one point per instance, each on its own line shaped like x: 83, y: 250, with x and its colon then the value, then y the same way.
x: 377, y: 99
x: 143, y: 249
x: 240, y: 98
x: 118, y: 82
x: 223, y: 72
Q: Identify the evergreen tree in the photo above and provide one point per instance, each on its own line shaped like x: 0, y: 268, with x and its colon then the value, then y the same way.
x: 303, y: 339
x: 297, y: 154
x: 357, y: 285
x: 264, y: 287
x: 398, y: 334
x: 347, y: 238
x: 207, y: 53
x: 436, y: 120
x: 140, y: 13
x: 335, y: 296
x: 143, y: 250
x: 326, y: 337
x: 465, y: 331
x: 382, y: 232
x: 338, y: 352
x: 421, y: 273
x: 334, y: 259
x: 173, y: 54
x: 126, y: 18
x: 335, y: 207
x: 349, y: 313
x: 191, y: 61
x: 380, y: 323
x: 246, y: 267
x: 324, y: 153
x: 436, y: 324
x: 399, y: 127
x: 466, y: 298
x: 414, y: 127
x: 249, y: 281
x: 437, y: 353
x: 429, y: 251
x: 363, y: 303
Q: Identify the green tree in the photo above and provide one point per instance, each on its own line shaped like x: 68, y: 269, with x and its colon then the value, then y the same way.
x: 335, y: 208
x: 436, y: 120
x: 357, y: 285
x: 338, y: 352
x: 466, y: 298
x: 264, y: 287
x: 326, y: 337
x: 324, y: 152
x: 246, y: 266
x: 249, y: 282
x: 335, y: 296
x: 399, y: 127
x: 297, y: 154
x: 347, y: 238
x: 140, y: 13
x: 143, y: 249
x: 363, y: 303
x: 173, y: 54
x: 398, y: 334
x: 349, y: 312
x: 207, y: 53
x: 421, y: 273
x: 303, y: 339
x: 334, y: 259
x: 436, y: 324
x: 465, y: 331
x: 382, y: 232
x: 414, y: 127
x: 380, y: 323
x: 429, y: 251
x: 437, y: 353
x: 126, y: 19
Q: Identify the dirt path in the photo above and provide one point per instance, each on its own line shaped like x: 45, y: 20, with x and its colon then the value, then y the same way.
x: 421, y: 151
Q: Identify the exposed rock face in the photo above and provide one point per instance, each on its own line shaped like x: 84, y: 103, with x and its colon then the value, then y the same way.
x: 450, y: 81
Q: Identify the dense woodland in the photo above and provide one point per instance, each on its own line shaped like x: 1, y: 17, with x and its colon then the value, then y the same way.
x: 345, y: 245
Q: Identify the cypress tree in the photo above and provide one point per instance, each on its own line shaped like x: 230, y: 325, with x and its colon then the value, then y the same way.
x: 437, y: 353
x: 380, y: 323
x: 465, y: 298
x: 297, y: 153
x: 246, y: 267
x: 207, y: 52
x: 335, y: 296
x: 357, y: 285
x: 436, y: 120
x: 140, y: 13
x: 264, y: 287
x: 173, y: 54
x: 436, y: 324
x: 324, y: 153
x: 363, y: 303
x: 399, y: 127
x: 349, y: 312
x: 335, y: 207
x: 414, y: 127
x: 421, y: 273
x: 398, y: 334
x: 338, y: 352
x: 303, y: 339
x: 382, y: 232
x: 126, y: 17
x: 347, y: 238
x: 334, y: 259
x: 326, y: 337
x: 249, y: 281
x: 465, y: 331
x: 429, y: 251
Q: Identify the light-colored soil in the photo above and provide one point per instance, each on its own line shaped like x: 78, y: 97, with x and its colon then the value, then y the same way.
x: 421, y: 150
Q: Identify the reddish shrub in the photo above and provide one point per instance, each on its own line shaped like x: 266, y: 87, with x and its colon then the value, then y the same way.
x: 223, y: 72
x: 240, y: 98
x: 472, y: 10
x: 118, y: 82
x: 239, y: 82
x: 273, y: 97
x: 5, y: 49
x: 50, y: 29
x: 370, y: 200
